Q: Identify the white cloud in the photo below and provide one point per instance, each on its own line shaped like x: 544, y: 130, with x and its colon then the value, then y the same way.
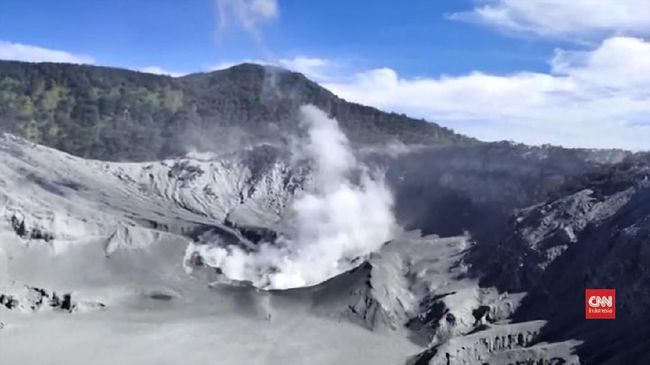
x: 596, y: 98
x: 315, y: 68
x: 563, y: 18
x: 160, y: 71
x: 619, y: 62
x: 247, y: 14
x: 29, y: 53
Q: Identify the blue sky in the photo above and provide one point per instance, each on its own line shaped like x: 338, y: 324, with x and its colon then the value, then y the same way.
x: 534, y: 71
x: 417, y: 39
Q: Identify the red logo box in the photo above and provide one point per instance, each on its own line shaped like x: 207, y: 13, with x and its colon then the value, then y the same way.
x: 600, y: 303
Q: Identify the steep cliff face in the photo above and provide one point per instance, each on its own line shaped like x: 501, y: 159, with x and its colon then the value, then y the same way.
x: 596, y: 237
x: 48, y: 195
x: 475, y: 189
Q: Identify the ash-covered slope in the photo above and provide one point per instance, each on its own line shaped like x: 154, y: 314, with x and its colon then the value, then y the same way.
x: 122, y: 115
x: 109, y: 248
x: 52, y: 196
x: 97, y: 253
x: 103, y: 247
x: 596, y: 236
x: 475, y: 189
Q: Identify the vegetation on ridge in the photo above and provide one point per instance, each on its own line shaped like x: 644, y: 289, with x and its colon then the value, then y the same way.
x: 115, y: 114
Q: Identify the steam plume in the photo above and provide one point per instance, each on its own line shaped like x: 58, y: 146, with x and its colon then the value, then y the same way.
x: 247, y: 14
x: 334, y: 223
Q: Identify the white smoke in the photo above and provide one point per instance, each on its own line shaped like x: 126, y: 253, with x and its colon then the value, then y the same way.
x: 334, y: 223
x: 247, y: 14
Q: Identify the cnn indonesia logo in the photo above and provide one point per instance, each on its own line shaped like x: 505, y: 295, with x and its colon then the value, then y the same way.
x: 600, y: 303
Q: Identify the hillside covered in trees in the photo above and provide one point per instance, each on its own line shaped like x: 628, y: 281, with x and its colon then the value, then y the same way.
x: 116, y: 114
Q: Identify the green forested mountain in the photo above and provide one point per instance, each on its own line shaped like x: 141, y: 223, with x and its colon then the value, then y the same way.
x: 116, y: 114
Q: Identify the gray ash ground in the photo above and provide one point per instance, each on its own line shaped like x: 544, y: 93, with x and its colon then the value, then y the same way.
x: 496, y: 246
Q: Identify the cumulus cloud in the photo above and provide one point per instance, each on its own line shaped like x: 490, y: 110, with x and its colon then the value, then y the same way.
x: 334, y: 223
x: 620, y: 63
x: 160, y: 71
x: 247, y: 14
x: 562, y: 18
x: 595, y: 98
x: 30, y: 53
